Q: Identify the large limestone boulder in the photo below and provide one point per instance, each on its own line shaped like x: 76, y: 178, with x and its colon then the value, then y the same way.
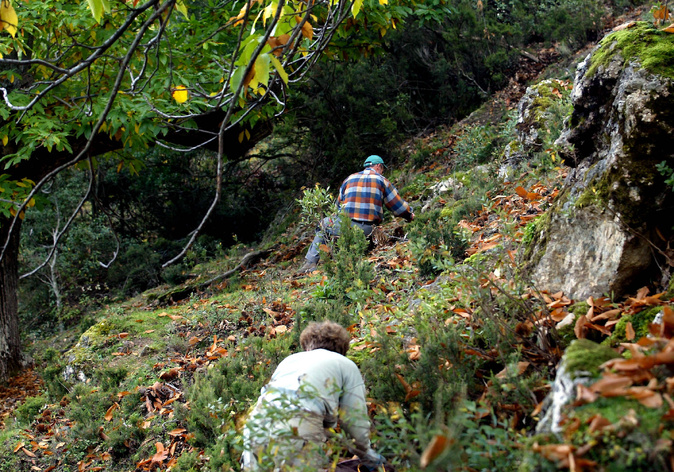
x: 610, y: 230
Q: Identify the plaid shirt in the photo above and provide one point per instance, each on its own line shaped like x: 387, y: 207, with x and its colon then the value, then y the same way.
x: 363, y: 195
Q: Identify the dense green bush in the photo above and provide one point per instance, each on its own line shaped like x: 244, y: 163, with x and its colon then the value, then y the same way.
x: 348, y: 270
x: 436, y: 242
x: 30, y: 409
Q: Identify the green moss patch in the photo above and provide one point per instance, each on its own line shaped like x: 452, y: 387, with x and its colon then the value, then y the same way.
x: 550, y: 92
x: 584, y: 355
x: 640, y: 322
x: 653, y: 48
x: 615, y: 187
x: 615, y: 408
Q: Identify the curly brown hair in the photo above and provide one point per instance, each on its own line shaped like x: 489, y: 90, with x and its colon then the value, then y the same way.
x: 325, y: 335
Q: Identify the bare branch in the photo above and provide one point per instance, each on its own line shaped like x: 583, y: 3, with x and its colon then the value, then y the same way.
x: 59, y: 234
x: 115, y: 89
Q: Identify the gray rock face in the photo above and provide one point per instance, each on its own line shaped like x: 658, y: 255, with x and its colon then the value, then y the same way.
x: 589, y: 253
x: 449, y: 185
x: 602, y: 234
x: 563, y: 392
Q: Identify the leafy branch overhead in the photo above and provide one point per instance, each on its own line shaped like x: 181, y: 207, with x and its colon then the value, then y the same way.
x: 84, y: 79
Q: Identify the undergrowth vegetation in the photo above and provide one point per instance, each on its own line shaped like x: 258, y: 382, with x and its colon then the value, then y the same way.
x: 456, y: 346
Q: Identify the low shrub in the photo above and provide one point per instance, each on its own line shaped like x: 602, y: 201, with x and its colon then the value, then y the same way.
x: 27, y: 412
x: 220, y: 397
x: 436, y: 241
x: 349, y: 272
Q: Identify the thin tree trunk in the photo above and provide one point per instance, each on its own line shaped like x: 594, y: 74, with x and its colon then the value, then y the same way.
x: 10, y: 342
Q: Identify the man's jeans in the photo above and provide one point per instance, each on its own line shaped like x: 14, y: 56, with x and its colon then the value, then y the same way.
x: 330, y: 226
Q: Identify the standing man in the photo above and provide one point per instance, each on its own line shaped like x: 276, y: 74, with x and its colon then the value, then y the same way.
x: 362, y: 196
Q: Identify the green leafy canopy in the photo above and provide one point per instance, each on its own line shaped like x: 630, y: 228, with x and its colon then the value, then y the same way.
x: 82, y: 79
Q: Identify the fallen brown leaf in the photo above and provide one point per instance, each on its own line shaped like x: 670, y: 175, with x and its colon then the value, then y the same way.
x: 437, y: 446
x: 108, y: 414
x: 161, y: 454
x: 629, y: 331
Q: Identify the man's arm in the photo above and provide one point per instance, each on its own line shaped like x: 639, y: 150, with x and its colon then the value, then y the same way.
x: 395, y: 203
x: 353, y: 416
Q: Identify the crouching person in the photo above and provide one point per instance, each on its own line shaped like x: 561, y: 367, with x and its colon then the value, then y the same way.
x: 309, y: 394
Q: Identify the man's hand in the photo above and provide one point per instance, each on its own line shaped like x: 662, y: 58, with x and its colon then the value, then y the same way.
x: 372, y: 461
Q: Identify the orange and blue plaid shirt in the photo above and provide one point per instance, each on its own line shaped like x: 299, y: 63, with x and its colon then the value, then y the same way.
x: 364, y: 194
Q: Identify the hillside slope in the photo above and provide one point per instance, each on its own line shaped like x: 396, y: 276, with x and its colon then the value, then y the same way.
x: 457, y: 347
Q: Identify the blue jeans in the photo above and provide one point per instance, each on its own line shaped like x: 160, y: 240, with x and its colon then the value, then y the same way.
x: 330, y: 226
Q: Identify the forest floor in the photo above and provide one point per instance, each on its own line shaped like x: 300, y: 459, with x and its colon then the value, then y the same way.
x: 268, y: 298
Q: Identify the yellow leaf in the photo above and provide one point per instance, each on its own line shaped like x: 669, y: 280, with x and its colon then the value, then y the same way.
x: 279, y: 68
x: 241, y: 137
x: 383, y: 2
x: 240, y: 16
x: 355, y: 8
x: 268, y: 12
x: 98, y: 7
x: 5, y: 140
x: 180, y: 6
x: 669, y: 29
x: 180, y: 94
x: 8, y: 17
x: 307, y: 28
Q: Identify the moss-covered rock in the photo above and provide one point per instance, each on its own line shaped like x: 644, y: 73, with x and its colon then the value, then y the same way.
x: 583, y: 357
x: 119, y: 331
x: 541, y: 112
x: 653, y: 48
x: 536, y: 109
x: 636, y: 441
x: 598, y: 238
x: 579, y: 365
x: 640, y: 323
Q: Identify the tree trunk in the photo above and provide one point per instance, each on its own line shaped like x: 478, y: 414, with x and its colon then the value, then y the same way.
x: 10, y: 342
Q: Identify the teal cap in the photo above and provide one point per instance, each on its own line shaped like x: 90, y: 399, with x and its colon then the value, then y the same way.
x: 373, y: 160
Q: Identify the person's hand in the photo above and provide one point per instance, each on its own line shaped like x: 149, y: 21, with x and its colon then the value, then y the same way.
x: 372, y: 461
x: 412, y: 216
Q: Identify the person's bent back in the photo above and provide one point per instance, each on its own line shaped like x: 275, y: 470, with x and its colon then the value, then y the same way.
x: 309, y: 393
